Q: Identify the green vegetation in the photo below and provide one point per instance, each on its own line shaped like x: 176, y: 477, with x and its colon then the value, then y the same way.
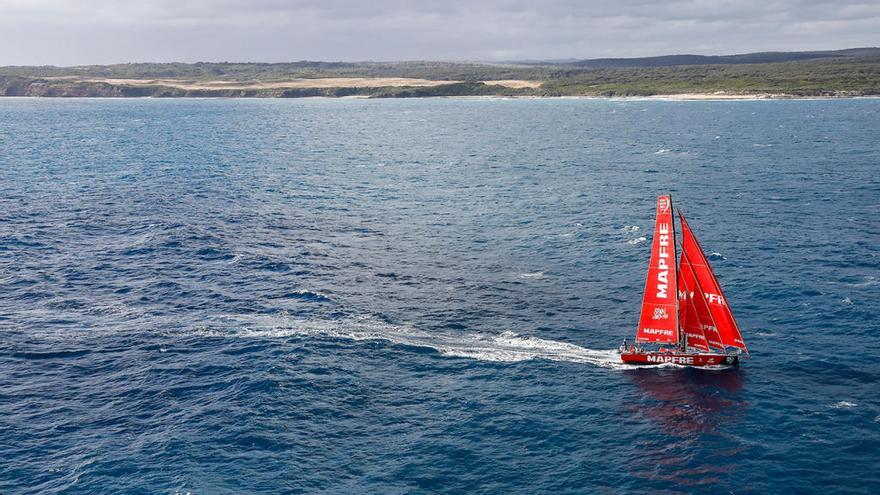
x: 223, y: 71
x: 835, y: 77
x: 843, y: 73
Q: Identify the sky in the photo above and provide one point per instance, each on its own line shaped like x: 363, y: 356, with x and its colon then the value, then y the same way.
x: 78, y: 32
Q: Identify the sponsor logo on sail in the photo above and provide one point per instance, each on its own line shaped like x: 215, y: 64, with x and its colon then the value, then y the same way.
x: 663, y: 204
x: 657, y: 331
x: 663, y: 257
x: 660, y: 314
x: 714, y: 298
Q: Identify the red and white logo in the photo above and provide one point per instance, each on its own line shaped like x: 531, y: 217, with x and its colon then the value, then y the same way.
x: 663, y: 204
x: 653, y: 358
x: 714, y: 298
x: 657, y: 331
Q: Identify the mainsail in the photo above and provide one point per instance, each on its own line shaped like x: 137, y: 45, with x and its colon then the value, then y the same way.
x: 659, y: 319
x: 706, y: 284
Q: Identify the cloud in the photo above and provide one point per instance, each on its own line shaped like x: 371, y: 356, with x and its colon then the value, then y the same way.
x: 67, y: 32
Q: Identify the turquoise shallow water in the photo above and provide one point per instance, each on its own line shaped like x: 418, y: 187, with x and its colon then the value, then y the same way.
x: 422, y: 296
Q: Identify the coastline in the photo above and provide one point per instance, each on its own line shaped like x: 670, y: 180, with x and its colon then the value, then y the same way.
x: 680, y: 97
x: 385, y: 87
x: 837, y: 75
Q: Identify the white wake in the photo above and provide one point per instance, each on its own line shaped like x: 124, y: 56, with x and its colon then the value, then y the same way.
x: 503, y: 347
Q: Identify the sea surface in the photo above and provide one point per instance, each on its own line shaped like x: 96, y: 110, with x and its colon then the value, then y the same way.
x: 351, y: 296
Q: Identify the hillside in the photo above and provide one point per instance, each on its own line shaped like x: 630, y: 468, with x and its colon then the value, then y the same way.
x: 854, y: 72
x: 745, y: 58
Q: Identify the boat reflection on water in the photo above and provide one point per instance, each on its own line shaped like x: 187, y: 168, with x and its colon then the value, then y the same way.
x: 690, y: 417
x: 687, y: 401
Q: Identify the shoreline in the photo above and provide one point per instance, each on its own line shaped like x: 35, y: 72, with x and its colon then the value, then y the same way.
x: 844, y: 75
x: 658, y: 97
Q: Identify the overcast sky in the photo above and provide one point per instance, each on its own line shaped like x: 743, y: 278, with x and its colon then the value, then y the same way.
x: 73, y: 32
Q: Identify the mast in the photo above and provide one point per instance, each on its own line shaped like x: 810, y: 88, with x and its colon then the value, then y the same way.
x: 682, y: 336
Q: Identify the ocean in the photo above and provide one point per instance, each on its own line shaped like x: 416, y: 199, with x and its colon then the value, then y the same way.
x: 351, y: 296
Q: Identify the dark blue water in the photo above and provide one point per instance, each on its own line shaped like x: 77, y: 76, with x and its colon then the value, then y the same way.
x: 422, y: 296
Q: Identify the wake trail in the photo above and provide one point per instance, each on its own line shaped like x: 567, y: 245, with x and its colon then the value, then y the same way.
x: 503, y: 347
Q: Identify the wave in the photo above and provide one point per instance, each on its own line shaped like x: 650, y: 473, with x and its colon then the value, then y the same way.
x: 51, y: 354
x: 505, y: 347
x: 637, y: 240
x: 531, y: 275
x: 868, y: 281
x: 305, y: 295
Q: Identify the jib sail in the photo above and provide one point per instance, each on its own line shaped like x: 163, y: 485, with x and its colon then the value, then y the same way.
x: 697, y: 322
x: 710, y: 289
x: 688, y: 317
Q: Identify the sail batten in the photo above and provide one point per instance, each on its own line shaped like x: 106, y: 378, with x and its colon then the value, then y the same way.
x: 709, y: 290
x: 658, y: 322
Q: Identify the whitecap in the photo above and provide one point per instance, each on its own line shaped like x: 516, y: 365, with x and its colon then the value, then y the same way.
x: 844, y: 405
x: 637, y: 240
x: 631, y: 228
x: 309, y: 294
x: 662, y: 151
x: 847, y: 301
x: 869, y: 280
x: 532, y: 275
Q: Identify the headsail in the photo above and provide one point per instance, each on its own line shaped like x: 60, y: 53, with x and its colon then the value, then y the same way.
x: 659, y: 319
x: 698, y: 319
x: 689, y: 318
x: 708, y: 286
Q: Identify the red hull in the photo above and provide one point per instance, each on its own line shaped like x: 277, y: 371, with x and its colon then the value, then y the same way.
x: 680, y: 358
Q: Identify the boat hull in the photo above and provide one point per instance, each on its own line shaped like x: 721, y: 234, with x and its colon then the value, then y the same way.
x: 679, y: 358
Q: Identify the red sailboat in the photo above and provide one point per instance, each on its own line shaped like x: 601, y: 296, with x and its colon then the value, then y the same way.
x: 684, y: 311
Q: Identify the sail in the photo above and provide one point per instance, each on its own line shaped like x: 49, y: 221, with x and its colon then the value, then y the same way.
x: 699, y: 316
x: 708, y: 286
x: 659, y: 319
x: 689, y: 318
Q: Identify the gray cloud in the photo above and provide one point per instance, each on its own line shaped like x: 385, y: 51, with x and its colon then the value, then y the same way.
x: 69, y: 32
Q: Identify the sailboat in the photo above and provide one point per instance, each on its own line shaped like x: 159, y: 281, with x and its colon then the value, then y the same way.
x: 685, y: 319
